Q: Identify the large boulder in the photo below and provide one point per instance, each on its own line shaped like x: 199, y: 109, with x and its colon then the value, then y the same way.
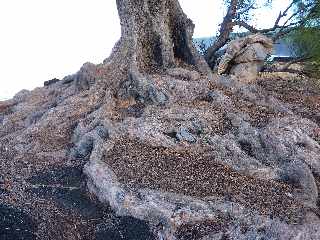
x: 244, y: 57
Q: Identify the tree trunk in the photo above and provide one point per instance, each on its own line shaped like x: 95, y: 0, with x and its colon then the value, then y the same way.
x: 225, y: 30
x: 155, y: 35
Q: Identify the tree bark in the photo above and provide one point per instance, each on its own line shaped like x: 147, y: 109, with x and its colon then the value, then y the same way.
x: 225, y: 30
x: 155, y: 35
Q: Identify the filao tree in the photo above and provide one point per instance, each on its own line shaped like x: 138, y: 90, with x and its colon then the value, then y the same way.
x: 155, y: 35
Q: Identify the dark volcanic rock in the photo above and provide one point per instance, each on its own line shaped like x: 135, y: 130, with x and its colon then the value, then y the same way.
x: 84, y: 148
x: 72, y: 200
x: 65, y: 188
x: 65, y: 176
x: 34, y: 117
x: 50, y: 82
x: 16, y: 224
x: 128, y: 228
x: 2, y: 180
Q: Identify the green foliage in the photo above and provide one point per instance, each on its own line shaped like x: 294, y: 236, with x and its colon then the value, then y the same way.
x: 306, y: 43
x: 245, y: 8
x: 305, y: 40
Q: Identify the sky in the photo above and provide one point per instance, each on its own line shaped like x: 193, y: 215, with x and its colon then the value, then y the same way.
x: 44, y: 39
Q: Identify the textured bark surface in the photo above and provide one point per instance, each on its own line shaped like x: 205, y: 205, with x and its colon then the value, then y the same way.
x: 155, y: 35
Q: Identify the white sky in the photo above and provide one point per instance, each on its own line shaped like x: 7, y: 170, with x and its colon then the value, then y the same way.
x: 44, y: 39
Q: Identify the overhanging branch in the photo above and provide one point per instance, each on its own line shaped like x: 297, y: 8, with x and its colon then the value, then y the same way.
x: 283, y: 29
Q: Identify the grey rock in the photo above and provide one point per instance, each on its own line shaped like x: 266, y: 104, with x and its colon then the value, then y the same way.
x: 21, y: 96
x: 84, y: 148
x: 50, y: 82
x: 34, y: 117
x: 2, y: 180
x: 86, y: 77
x: 245, y: 57
x: 68, y: 79
x: 184, y: 135
x: 299, y: 175
x: 102, y: 132
x: 197, y: 127
x: 155, y: 96
x: 217, y: 97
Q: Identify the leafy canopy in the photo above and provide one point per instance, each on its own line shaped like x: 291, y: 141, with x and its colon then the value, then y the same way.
x: 305, y: 39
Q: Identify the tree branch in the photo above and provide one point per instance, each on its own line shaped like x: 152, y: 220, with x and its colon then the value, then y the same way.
x: 275, y: 26
x: 301, y: 59
x: 284, y: 29
x: 246, y: 9
x: 253, y: 29
x: 231, y: 20
x: 225, y: 30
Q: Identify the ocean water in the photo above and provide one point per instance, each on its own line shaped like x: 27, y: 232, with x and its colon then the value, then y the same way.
x: 281, y: 49
x: 5, y: 94
x: 3, y: 98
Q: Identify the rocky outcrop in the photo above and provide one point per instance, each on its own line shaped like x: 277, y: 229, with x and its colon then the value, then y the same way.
x: 224, y: 159
x: 244, y: 57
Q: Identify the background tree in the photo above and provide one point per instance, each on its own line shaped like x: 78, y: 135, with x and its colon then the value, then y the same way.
x: 305, y: 39
x: 239, y: 12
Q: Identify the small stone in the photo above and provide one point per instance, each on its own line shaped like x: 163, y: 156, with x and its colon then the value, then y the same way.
x: 197, y: 127
x: 135, y: 110
x: 50, y: 82
x: 289, y: 195
x: 2, y: 180
x: 185, y: 135
x: 156, y: 97
x: 102, y: 132
x: 68, y: 79
x: 84, y: 148
x: 34, y: 117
